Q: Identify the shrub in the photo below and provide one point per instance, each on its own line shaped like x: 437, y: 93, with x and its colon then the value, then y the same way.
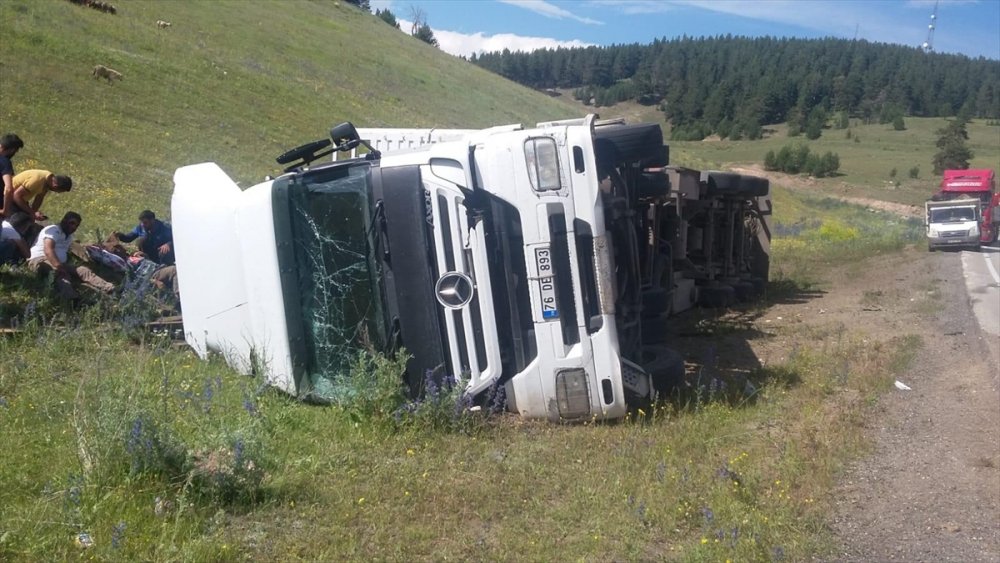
x: 915, y: 172
x: 892, y: 173
x: 770, y: 161
x: 798, y: 159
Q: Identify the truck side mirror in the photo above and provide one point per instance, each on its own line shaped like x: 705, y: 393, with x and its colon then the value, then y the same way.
x: 344, y: 133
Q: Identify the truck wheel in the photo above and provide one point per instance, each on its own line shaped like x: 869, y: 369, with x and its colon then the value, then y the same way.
x: 721, y: 183
x: 665, y: 367
x: 642, y: 143
x: 753, y: 186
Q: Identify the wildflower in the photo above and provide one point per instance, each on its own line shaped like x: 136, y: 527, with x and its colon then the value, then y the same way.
x: 361, y: 500
x: 704, y: 541
x: 250, y: 407
x: 409, y: 452
x: 707, y: 513
x: 118, y: 535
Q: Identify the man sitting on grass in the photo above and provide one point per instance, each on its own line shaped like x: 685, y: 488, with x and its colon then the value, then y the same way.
x: 13, y: 248
x: 51, y: 253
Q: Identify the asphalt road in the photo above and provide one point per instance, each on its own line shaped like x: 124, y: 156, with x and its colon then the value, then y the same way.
x: 982, y: 279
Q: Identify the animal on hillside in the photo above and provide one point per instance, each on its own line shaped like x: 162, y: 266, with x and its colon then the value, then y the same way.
x: 162, y: 24
x: 101, y: 71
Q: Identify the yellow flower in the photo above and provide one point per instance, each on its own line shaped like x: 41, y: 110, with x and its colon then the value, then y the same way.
x: 704, y: 541
x: 409, y: 452
x: 361, y: 500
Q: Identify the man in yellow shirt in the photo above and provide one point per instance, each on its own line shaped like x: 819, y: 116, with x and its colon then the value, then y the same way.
x: 29, y: 190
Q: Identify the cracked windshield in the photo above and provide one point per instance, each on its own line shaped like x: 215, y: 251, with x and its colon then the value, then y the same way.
x: 340, y: 308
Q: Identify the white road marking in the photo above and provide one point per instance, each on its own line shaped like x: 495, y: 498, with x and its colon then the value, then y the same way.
x: 989, y: 266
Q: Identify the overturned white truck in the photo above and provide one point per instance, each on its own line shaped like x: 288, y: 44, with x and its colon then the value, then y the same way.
x: 527, y: 259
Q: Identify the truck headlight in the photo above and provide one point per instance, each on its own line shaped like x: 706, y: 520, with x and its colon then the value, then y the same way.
x: 542, y: 160
x: 572, y: 393
x: 974, y: 232
x: 932, y: 232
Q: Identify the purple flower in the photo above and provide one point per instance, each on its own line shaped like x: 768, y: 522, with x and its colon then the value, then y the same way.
x: 118, y: 535
x: 708, y: 514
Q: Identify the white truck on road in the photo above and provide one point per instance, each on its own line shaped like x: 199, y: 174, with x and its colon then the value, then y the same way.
x: 952, y: 223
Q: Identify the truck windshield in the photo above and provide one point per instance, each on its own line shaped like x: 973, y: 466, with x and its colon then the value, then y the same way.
x: 953, y: 215
x: 337, y: 274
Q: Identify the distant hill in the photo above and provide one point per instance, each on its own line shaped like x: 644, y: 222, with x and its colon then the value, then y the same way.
x: 731, y: 86
x: 236, y: 82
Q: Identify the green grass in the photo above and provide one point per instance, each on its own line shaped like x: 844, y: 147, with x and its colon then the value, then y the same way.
x: 813, y: 234
x: 699, y: 480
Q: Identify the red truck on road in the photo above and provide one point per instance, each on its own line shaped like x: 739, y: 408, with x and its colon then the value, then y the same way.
x: 978, y: 184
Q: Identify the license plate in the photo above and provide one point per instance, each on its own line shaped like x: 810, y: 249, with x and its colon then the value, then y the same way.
x: 546, y: 284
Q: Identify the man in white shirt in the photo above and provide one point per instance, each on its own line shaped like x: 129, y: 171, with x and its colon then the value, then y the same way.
x: 51, y: 253
x: 13, y: 248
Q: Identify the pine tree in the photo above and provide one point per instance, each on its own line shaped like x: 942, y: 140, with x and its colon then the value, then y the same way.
x: 953, y: 154
x: 425, y: 34
x: 388, y: 17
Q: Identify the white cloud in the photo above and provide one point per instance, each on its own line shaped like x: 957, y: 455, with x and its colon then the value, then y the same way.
x: 465, y: 44
x: 548, y: 10
x: 636, y: 7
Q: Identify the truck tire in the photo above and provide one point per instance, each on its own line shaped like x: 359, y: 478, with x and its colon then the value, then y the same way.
x: 665, y: 368
x: 721, y: 183
x: 754, y: 186
x: 641, y: 143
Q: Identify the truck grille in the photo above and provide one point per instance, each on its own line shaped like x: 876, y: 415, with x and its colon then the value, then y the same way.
x: 459, y: 248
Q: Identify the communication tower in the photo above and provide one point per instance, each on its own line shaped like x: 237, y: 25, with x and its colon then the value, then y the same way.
x: 928, y: 45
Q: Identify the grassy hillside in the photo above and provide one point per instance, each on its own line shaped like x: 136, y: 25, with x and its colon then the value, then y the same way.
x: 234, y: 82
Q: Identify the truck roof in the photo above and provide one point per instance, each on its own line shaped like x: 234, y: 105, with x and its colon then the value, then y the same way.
x: 975, y: 180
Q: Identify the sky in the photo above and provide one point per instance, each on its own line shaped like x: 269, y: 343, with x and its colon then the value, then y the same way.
x: 463, y: 27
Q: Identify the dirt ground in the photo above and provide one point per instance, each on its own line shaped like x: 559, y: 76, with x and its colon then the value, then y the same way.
x: 804, y: 183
